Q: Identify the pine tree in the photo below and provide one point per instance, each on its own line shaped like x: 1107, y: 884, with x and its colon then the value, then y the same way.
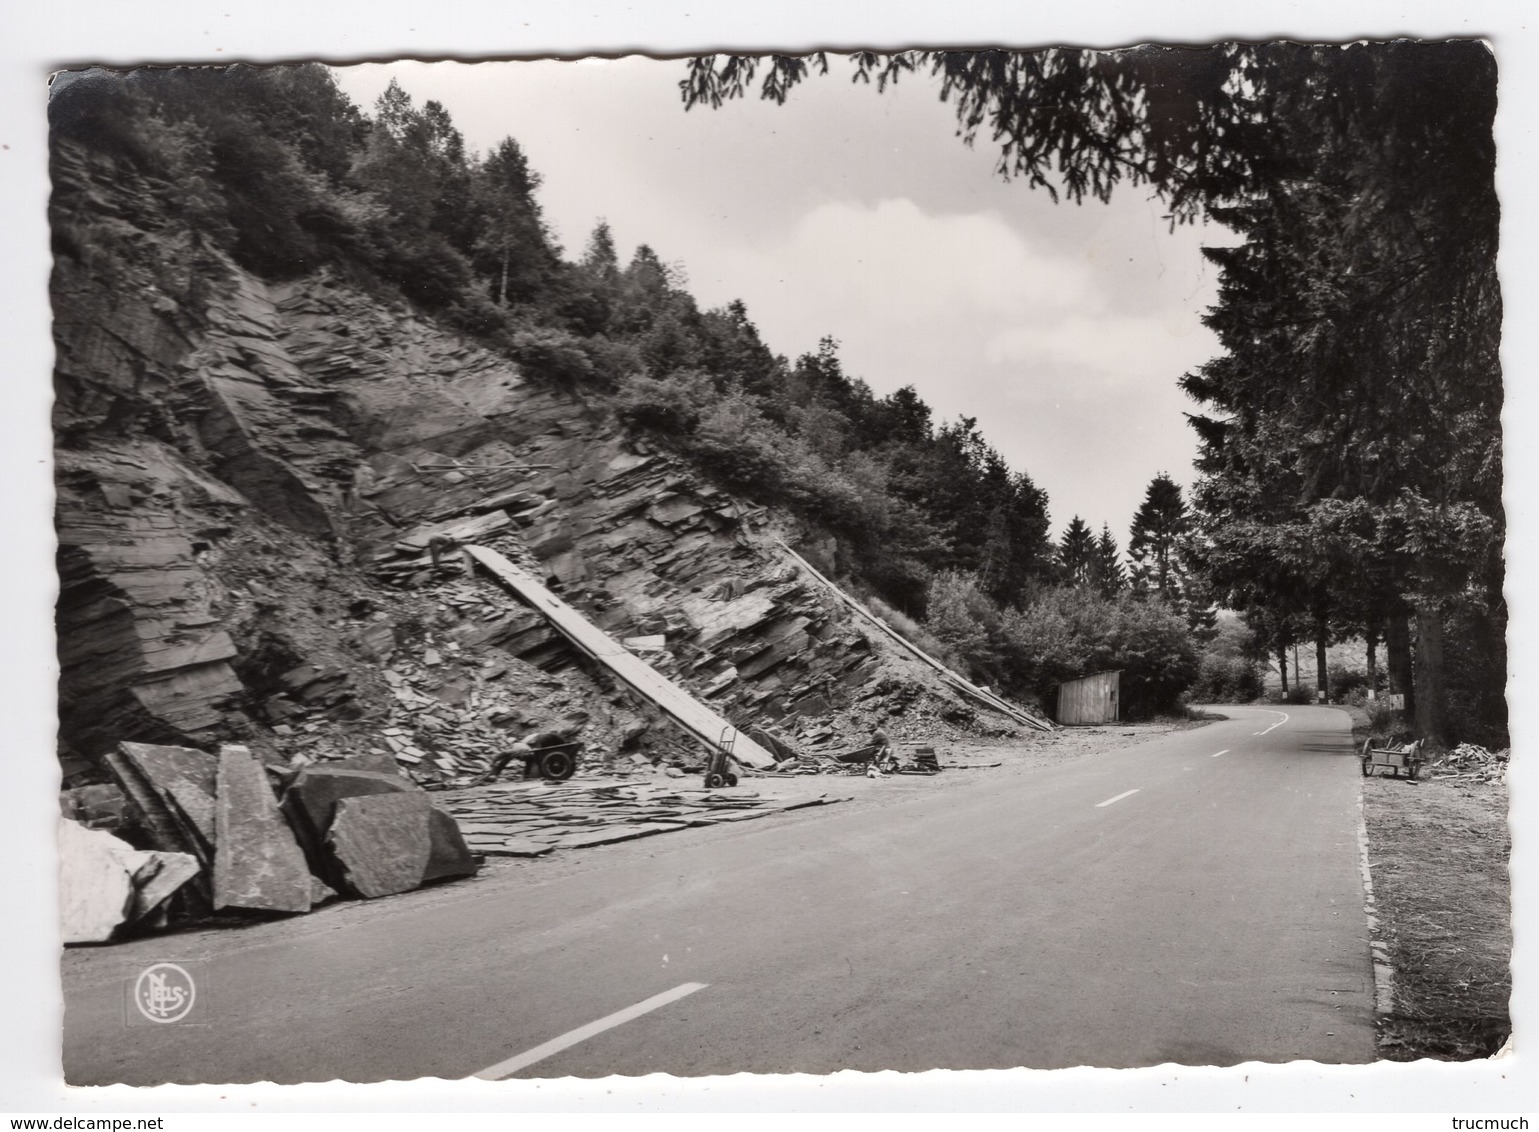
x: 600, y: 257
x: 513, y: 249
x: 393, y: 111
x: 1154, y: 543
x: 1107, y: 574
x: 1076, y: 554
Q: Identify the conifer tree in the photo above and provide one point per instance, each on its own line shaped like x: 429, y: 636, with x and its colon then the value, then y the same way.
x: 1154, y: 543
x: 513, y: 249
x: 1076, y: 554
x: 600, y: 257
x: 1107, y: 573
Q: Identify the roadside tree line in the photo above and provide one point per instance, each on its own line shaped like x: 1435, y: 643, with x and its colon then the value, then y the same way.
x: 1350, y: 433
x: 1350, y: 467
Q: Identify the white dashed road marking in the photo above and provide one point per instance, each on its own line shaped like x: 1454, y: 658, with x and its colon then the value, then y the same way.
x: 1118, y: 798
x: 583, y: 1033
x: 1225, y: 751
x: 1276, y: 725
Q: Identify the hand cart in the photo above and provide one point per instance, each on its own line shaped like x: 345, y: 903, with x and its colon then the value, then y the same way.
x: 1394, y: 759
x: 718, y: 768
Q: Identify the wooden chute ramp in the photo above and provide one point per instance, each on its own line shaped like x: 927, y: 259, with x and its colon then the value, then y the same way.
x: 965, y: 687
x: 689, y: 713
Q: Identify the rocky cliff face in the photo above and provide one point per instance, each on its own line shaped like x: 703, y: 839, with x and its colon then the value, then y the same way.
x: 249, y: 479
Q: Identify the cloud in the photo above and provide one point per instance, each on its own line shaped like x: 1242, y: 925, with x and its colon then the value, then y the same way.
x: 899, y: 261
x: 914, y: 294
x: 1118, y: 352
x: 890, y: 279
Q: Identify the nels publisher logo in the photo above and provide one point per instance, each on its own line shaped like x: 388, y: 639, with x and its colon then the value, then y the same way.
x: 164, y: 992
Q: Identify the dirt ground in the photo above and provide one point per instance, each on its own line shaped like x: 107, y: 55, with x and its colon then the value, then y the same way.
x: 1438, y: 851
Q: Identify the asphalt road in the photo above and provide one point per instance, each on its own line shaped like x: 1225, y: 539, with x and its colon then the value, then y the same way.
x: 1161, y: 903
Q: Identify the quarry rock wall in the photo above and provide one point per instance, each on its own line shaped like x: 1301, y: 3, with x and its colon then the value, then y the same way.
x: 250, y: 475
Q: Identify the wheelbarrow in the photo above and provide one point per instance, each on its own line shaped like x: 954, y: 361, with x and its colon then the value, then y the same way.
x: 1393, y: 759
x: 554, y: 762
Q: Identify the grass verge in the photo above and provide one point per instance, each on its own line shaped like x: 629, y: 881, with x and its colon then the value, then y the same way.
x: 1438, y: 850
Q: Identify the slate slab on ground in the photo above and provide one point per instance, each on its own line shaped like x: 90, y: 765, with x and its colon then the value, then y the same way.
x: 185, y: 781
x: 315, y: 799
x: 381, y: 842
x: 258, y: 865
x: 531, y: 819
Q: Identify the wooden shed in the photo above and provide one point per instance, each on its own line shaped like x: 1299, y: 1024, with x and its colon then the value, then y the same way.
x: 1090, y: 699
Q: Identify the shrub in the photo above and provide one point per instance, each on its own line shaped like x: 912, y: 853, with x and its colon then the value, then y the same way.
x: 736, y: 443
x: 480, y: 317
x: 613, y: 362
x: 1068, y: 633
x: 1226, y: 679
x: 671, y: 406
x: 912, y: 631
x: 1348, y: 684
x: 896, y: 577
x: 1152, y: 643
x: 961, y: 615
x: 553, y: 355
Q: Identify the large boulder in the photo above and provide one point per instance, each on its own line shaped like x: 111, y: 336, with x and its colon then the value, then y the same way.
x: 367, y: 856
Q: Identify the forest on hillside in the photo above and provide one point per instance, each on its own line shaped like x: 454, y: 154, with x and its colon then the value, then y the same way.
x: 280, y: 172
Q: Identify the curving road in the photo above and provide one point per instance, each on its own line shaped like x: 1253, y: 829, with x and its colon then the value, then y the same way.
x: 1193, y: 899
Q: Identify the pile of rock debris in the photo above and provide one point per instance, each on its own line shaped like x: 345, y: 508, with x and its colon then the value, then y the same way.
x: 185, y: 834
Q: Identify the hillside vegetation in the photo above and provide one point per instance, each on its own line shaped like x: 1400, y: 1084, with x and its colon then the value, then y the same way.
x: 275, y: 174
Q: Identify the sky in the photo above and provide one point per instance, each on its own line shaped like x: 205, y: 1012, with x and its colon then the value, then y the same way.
x: 1063, y: 329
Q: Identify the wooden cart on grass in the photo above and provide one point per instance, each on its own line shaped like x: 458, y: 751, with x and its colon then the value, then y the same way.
x: 1395, y: 758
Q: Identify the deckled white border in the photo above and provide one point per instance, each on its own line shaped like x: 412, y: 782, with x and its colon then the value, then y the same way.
x: 37, y: 37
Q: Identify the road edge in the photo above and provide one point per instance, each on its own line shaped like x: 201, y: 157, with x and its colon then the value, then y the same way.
x: 1383, y: 969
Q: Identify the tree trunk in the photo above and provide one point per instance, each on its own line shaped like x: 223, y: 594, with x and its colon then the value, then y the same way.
x: 1397, y: 648
x: 502, y: 286
x: 1282, y: 664
x: 1322, y: 676
x: 1431, y: 701
x: 1371, y: 638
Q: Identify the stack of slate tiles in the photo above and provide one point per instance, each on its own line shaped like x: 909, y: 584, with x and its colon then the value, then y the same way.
x: 530, y: 819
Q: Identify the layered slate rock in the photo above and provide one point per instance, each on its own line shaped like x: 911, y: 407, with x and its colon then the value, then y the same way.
x: 311, y: 802
x: 139, y: 651
x: 238, y: 457
x: 258, y: 864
